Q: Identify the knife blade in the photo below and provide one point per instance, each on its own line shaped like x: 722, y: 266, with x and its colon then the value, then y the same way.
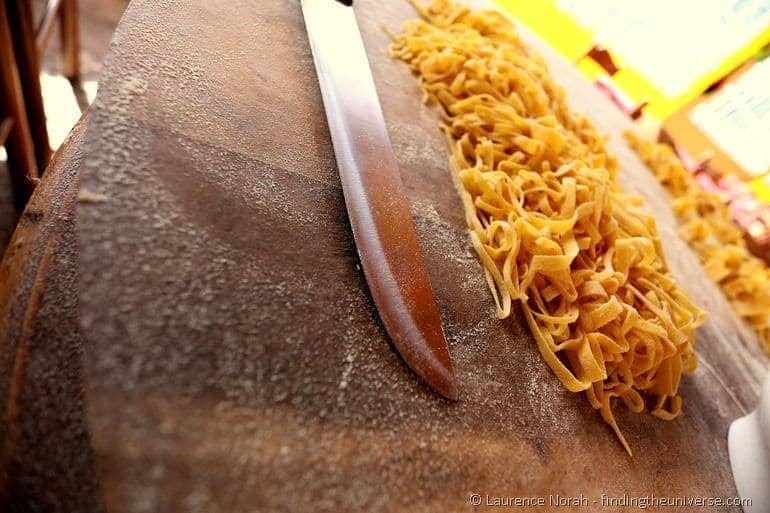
x: 377, y: 206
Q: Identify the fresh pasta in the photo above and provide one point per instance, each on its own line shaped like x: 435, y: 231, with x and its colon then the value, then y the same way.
x: 708, y: 227
x: 551, y: 227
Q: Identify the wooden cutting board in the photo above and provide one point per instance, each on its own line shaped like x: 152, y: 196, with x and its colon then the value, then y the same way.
x: 233, y: 359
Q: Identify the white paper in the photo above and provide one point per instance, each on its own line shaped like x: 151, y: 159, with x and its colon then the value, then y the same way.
x: 737, y: 119
x: 671, y: 43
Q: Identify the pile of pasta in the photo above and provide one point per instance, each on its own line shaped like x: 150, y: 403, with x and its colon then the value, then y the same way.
x: 549, y: 222
x: 708, y: 227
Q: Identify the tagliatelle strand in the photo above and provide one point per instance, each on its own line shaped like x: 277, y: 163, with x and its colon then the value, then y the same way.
x: 708, y: 227
x: 552, y: 228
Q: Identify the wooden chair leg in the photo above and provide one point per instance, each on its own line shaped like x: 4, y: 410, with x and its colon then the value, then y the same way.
x: 28, y: 63
x: 5, y: 128
x: 19, y: 146
x: 70, y: 39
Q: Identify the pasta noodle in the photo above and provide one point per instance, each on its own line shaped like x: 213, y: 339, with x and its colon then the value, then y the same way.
x: 709, y: 229
x: 548, y: 221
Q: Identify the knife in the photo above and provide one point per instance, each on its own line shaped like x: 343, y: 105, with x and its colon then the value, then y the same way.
x: 377, y: 207
x: 748, y: 444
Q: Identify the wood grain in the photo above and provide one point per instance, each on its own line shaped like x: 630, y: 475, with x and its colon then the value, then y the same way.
x: 28, y: 65
x: 18, y: 142
x: 233, y: 360
x: 46, y: 462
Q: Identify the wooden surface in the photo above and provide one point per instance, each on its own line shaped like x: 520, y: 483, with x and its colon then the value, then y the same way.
x: 28, y: 64
x: 232, y: 358
x: 18, y: 144
x: 46, y: 462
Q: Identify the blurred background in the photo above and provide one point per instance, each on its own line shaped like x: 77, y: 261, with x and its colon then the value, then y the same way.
x: 64, y: 100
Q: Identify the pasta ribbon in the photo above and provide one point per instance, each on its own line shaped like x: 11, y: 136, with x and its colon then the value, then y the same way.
x: 549, y: 223
x: 708, y: 227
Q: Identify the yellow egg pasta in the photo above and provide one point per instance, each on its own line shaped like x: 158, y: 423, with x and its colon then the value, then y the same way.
x: 708, y: 227
x: 551, y: 227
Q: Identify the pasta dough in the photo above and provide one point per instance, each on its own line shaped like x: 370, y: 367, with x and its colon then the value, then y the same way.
x: 548, y: 221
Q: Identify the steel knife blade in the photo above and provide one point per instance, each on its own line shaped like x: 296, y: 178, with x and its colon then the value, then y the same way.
x: 378, y: 210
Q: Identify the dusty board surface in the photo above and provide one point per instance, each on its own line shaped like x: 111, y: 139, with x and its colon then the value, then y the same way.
x: 46, y: 461
x: 233, y: 358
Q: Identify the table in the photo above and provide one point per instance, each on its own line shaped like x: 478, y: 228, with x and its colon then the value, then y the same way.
x: 232, y: 359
